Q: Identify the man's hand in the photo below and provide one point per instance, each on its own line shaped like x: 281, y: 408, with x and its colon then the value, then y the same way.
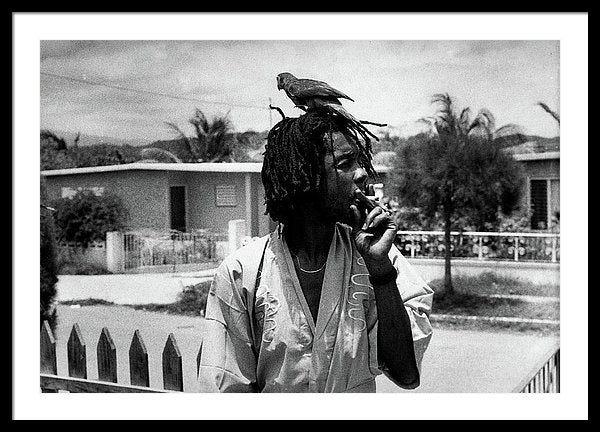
x: 374, y: 233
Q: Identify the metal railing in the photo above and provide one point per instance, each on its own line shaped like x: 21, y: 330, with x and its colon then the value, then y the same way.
x: 509, y: 246
x: 147, y: 249
x: 544, y: 376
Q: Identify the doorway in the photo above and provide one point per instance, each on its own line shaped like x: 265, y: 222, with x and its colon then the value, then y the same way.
x: 177, y: 199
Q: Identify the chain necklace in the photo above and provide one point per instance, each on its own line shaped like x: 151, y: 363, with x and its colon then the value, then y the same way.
x: 309, y: 271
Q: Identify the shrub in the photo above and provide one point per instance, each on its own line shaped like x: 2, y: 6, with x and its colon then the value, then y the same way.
x: 80, y: 267
x: 87, y: 217
x: 192, y: 300
x: 48, y: 264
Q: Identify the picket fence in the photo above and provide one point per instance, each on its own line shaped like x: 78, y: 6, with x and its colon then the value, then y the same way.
x: 77, y: 381
x: 544, y: 377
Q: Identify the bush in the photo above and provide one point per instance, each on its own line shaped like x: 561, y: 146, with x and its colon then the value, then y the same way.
x: 192, y: 300
x: 48, y: 264
x: 86, y: 217
x: 79, y: 267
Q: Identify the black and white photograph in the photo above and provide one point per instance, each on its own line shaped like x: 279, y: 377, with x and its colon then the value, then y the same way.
x: 229, y: 205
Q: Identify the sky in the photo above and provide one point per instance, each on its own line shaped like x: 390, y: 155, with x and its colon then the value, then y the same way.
x: 130, y: 89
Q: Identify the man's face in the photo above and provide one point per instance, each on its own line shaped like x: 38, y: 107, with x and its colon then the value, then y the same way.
x: 341, y: 176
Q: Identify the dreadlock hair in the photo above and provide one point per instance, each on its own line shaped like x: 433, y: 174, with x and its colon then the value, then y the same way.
x: 294, y: 154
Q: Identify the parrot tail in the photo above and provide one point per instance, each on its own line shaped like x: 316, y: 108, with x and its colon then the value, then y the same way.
x: 340, y: 110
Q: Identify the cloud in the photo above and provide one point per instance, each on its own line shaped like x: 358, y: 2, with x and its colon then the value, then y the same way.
x: 391, y: 81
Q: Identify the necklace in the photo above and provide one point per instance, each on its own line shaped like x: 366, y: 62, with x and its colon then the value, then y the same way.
x: 309, y: 271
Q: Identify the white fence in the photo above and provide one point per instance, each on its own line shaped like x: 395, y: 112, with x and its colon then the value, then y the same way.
x: 510, y: 246
x: 144, y: 249
x: 151, y: 249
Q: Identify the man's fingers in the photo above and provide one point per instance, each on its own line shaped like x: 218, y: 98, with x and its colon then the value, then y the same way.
x: 377, y: 220
x: 371, y: 216
x: 356, y: 217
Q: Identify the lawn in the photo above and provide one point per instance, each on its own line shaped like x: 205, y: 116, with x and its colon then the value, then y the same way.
x: 485, y: 295
x: 489, y: 283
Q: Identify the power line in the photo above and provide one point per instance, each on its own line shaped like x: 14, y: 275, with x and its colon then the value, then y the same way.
x: 116, y: 87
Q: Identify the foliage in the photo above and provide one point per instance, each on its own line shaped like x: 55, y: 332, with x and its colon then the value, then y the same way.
x: 53, y: 152
x: 212, y: 141
x: 489, y: 283
x: 413, y: 219
x: 458, y: 171
x: 104, y: 154
x: 48, y: 262
x: 56, y: 154
x: 86, y: 217
x: 518, y: 221
x: 192, y: 300
x: 74, y: 265
x: 459, y: 168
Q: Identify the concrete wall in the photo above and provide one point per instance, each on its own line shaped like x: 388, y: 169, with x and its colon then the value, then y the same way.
x: 537, y: 273
x: 144, y: 193
x: 201, y: 208
x: 146, y: 197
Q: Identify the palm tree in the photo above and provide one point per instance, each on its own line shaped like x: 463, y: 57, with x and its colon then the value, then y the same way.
x: 461, y: 170
x: 210, y: 143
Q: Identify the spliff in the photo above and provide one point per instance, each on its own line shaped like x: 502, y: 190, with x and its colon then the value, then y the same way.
x: 368, y: 202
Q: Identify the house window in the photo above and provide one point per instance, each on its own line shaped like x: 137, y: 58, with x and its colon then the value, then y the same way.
x: 226, y: 196
x: 544, y: 201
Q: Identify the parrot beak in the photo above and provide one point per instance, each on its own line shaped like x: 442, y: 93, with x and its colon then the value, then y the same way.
x: 279, y: 86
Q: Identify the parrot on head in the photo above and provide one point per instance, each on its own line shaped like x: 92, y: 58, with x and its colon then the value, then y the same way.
x: 308, y: 94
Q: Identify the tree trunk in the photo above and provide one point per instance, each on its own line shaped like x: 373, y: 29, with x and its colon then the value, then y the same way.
x: 448, y: 288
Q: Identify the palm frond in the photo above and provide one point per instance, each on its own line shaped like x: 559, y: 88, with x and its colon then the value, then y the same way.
x: 200, y: 123
x: 487, y: 118
x: 191, y: 146
x: 176, y: 128
x: 549, y: 111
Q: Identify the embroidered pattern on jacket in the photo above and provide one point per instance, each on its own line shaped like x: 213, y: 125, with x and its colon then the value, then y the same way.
x: 266, y: 307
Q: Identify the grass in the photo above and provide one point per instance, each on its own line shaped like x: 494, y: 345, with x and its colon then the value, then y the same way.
x: 493, y: 283
x: 471, y: 297
x: 469, y: 304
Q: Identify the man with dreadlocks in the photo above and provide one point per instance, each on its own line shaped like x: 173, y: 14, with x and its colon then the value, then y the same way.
x: 325, y: 303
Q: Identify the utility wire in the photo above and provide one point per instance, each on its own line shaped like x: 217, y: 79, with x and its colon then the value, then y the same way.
x: 101, y: 84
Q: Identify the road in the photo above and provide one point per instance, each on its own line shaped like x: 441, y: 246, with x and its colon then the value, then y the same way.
x: 145, y: 288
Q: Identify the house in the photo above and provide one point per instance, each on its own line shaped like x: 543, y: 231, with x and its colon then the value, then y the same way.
x: 181, y: 196
x: 541, y: 191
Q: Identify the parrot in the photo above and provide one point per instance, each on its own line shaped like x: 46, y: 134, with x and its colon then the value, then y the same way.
x: 309, y: 94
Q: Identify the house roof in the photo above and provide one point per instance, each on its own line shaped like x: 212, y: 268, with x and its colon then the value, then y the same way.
x: 230, y: 167
x: 540, y: 145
